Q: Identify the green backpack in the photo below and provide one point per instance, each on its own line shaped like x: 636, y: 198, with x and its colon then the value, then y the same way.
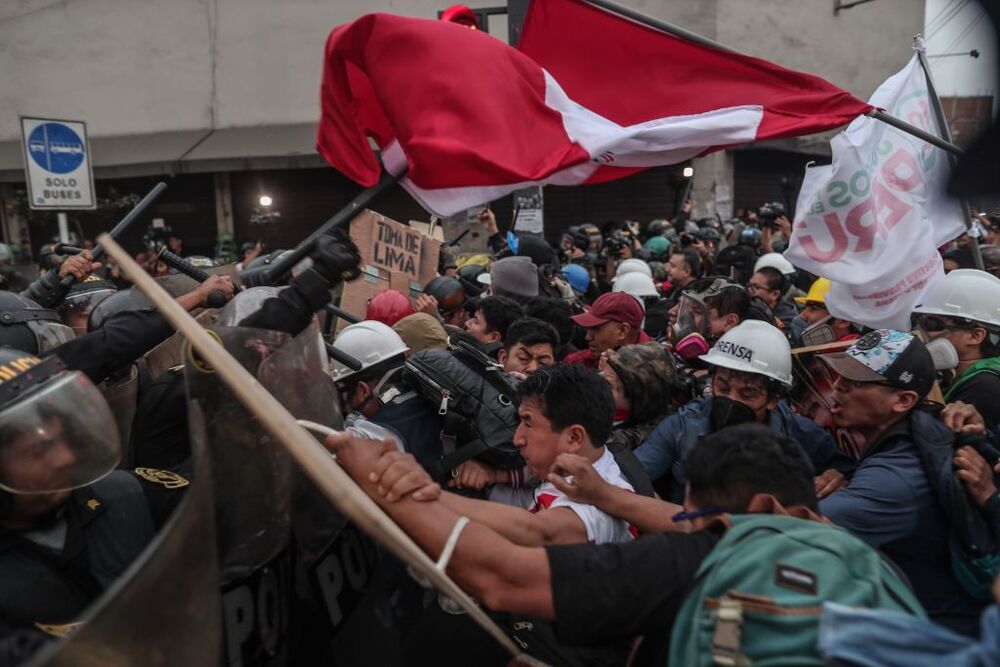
x: 758, y: 596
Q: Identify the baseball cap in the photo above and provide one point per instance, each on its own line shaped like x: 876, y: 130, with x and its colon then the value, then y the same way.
x: 892, y: 357
x: 612, y: 307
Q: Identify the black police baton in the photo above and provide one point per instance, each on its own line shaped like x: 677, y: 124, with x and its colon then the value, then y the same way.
x: 342, y: 314
x: 216, y: 299
x: 66, y: 283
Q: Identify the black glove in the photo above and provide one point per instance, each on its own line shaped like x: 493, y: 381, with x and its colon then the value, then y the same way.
x: 336, y: 259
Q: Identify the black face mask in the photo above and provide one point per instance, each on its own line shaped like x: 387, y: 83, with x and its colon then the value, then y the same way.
x: 727, y: 412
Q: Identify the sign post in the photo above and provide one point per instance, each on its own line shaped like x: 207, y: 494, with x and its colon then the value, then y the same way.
x: 57, y: 167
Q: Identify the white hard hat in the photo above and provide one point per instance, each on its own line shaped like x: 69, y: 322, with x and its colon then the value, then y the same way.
x: 369, y: 342
x: 636, y: 284
x: 632, y: 266
x: 967, y: 293
x: 753, y: 347
x: 774, y: 260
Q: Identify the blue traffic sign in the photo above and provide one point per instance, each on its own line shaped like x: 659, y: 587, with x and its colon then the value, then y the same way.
x: 56, y: 148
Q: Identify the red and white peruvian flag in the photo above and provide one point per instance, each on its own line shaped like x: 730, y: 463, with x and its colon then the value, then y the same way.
x: 588, y: 97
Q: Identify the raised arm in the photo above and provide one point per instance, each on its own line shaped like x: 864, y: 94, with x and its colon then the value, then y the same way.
x: 576, y: 477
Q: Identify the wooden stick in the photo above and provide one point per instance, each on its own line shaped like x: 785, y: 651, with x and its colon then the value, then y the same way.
x: 314, y: 460
x: 825, y: 347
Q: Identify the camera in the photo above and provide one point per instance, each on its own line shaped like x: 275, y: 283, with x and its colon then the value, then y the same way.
x: 616, y: 242
x: 768, y: 213
x: 688, y: 239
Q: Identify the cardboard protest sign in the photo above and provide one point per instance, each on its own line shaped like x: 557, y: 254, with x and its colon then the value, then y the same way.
x: 393, y: 256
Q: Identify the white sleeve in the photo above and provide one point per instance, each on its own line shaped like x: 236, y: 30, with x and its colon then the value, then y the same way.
x: 601, y: 528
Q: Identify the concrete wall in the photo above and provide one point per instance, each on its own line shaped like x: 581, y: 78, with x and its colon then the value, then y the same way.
x: 143, y: 66
x: 856, y: 49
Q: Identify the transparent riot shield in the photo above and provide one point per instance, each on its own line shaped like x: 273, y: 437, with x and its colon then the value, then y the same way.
x: 251, y: 473
x: 177, y: 284
x: 165, y: 610
x: 335, y: 563
x: 252, y: 480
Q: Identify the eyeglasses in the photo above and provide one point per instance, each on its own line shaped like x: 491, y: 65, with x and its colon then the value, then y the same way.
x: 815, y: 305
x: 754, y: 287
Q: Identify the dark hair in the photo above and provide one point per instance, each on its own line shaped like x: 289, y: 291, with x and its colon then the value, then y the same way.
x: 530, y: 331
x: 499, y: 312
x: 772, y: 277
x: 571, y: 394
x: 729, y: 467
x: 691, y: 260
x: 554, y: 311
x: 730, y: 300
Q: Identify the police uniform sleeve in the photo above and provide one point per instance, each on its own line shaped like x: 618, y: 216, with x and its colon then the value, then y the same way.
x: 123, y: 339
x: 42, y: 289
x: 164, y: 489
x: 604, y: 593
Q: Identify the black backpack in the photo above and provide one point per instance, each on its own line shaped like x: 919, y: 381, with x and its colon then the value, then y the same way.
x: 477, y: 401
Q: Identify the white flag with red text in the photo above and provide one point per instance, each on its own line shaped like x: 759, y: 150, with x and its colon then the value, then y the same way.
x: 871, y: 222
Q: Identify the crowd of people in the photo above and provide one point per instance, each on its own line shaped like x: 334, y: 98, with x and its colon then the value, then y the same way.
x: 651, y: 444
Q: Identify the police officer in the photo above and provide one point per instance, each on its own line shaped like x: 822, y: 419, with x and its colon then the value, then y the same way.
x: 69, y: 523
x: 159, y: 431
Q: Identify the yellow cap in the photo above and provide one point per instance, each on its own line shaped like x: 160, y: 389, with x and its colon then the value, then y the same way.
x: 817, y: 292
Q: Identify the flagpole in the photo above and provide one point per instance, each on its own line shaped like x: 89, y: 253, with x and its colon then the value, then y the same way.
x: 942, y: 123
x: 678, y: 31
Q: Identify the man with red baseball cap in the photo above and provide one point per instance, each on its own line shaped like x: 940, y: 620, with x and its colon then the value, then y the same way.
x: 614, y: 319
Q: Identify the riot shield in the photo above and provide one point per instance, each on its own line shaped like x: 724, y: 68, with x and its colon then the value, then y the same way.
x: 165, y: 610
x: 335, y: 562
x: 296, y: 376
x: 169, y: 353
x: 177, y: 284
x: 252, y: 479
x: 121, y: 396
x: 252, y: 476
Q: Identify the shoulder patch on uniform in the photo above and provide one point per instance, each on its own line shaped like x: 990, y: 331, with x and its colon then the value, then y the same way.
x: 93, y: 504
x: 166, y: 478
x: 59, y: 629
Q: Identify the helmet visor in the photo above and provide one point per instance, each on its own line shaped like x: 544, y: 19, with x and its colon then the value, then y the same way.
x: 59, y: 437
x: 50, y: 335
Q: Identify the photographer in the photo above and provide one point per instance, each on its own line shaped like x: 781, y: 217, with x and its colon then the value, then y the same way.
x: 619, y: 244
x: 773, y: 221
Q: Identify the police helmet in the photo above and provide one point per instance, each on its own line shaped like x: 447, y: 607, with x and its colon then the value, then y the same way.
x: 81, y: 300
x: 118, y: 302
x: 24, y: 325
x: 57, y: 432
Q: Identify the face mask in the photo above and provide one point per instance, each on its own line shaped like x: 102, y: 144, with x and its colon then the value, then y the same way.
x: 691, y: 346
x: 727, y: 412
x: 943, y: 353
x: 819, y: 333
